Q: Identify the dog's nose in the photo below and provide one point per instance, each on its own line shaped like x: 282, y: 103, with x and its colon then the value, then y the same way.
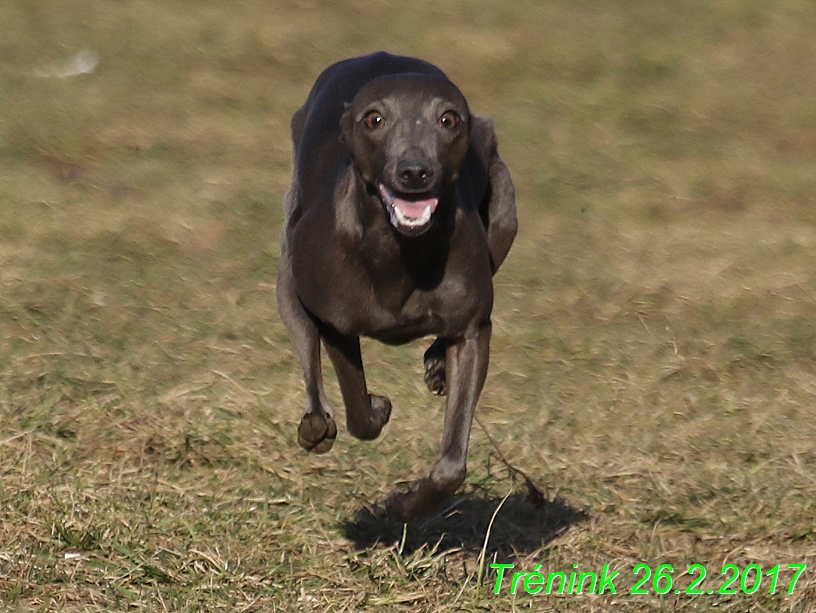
x: 415, y: 174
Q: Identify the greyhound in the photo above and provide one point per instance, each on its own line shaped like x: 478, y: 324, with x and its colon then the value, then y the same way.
x: 399, y: 213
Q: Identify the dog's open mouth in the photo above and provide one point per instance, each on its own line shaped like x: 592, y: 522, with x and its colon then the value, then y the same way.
x: 409, y: 213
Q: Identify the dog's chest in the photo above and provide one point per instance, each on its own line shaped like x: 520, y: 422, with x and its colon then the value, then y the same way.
x: 377, y: 289
x: 397, y: 316
x: 390, y: 305
x: 387, y: 304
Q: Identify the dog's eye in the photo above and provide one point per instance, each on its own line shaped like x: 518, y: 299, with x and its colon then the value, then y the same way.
x: 373, y: 120
x: 448, y: 120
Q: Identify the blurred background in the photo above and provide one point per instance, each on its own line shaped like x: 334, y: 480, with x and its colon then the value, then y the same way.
x: 653, y: 364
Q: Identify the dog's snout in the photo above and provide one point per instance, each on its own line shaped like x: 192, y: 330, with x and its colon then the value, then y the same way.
x: 415, y: 174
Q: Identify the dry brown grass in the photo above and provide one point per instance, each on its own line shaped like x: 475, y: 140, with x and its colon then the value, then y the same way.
x: 653, y: 365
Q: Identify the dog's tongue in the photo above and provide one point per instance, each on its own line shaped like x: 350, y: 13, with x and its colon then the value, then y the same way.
x: 415, y: 209
x: 412, y: 211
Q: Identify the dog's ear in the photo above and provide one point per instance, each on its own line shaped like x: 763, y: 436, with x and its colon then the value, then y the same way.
x: 346, y: 126
x: 483, y: 138
x: 498, y: 209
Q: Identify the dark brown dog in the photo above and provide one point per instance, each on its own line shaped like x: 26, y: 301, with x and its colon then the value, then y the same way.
x: 399, y: 213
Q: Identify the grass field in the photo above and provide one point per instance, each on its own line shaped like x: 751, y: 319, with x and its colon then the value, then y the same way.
x: 653, y: 366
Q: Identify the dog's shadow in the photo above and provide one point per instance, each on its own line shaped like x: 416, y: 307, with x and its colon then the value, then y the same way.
x: 524, y: 524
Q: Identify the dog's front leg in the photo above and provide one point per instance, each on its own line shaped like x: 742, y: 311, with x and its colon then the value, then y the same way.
x: 467, y: 361
x: 317, y: 429
x: 366, y: 414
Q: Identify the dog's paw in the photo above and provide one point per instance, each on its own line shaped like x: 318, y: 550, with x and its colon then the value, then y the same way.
x: 380, y: 410
x: 418, y: 502
x: 376, y: 420
x: 317, y: 432
x: 367, y: 425
x: 435, y: 375
x: 435, y: 360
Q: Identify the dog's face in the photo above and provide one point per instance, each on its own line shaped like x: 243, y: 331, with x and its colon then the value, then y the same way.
x: 408, y: 135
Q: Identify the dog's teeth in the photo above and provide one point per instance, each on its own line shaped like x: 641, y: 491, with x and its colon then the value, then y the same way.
x: 408, y: 221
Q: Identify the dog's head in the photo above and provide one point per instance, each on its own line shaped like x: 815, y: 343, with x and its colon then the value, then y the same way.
x: 408, y: 135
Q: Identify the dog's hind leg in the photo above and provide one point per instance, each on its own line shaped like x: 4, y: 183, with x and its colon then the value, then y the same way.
x: 467, y: 361
x: 317, y: 429
x: 434, y: 360
x: 366, y: 414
